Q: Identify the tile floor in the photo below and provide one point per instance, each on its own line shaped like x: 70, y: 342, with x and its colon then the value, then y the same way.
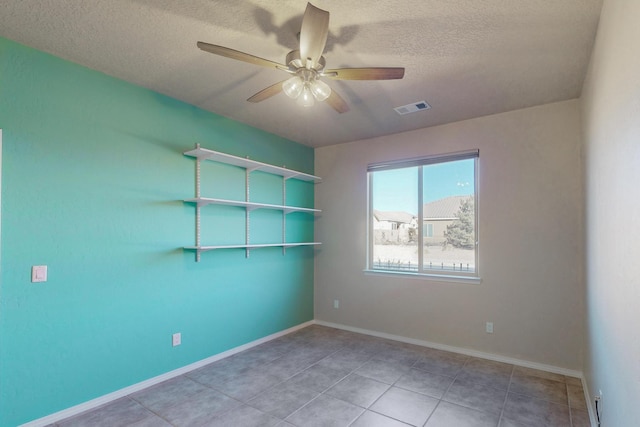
x: 320, y: 376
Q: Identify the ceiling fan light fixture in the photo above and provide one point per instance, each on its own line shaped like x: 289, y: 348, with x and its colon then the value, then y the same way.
x: 293, y: 87
x: 306, y: 98
x: 306, y: 88
x: 320, y: 90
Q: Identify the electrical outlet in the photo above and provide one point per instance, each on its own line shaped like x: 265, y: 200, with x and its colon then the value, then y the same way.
x: 176, y: 339
x: 336, y: 303
x: 489, y: 327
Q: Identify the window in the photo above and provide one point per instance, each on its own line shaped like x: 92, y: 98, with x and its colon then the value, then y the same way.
x: 428, y: 229
x: 423, y: 215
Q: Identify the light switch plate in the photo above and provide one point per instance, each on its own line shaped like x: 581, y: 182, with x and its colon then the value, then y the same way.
x: 39, y: 273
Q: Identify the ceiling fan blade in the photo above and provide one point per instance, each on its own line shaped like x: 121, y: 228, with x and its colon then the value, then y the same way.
x: 373, y: 73
x: 337, y: 103
x: 240, y: 56
x: 267, y: 92
x: 313, y: 34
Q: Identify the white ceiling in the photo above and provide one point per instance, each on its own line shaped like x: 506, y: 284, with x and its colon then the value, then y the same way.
x: 467, y: 58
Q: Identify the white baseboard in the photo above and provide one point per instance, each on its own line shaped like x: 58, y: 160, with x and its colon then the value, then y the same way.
x: 482, y: 355
x: 94, y: 403
x: 460, y: 350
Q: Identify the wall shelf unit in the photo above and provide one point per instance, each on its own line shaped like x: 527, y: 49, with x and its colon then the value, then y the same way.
x: 203, y: 154
x: 250, y: 206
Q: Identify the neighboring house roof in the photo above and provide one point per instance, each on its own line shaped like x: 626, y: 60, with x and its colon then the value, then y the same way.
x: 443, y: 208
x: 401, y: 217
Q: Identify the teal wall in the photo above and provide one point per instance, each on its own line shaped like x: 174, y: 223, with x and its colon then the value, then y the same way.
x: 93, y: 179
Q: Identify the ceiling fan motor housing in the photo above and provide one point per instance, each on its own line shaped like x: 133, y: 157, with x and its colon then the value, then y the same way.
x: 295, y: 62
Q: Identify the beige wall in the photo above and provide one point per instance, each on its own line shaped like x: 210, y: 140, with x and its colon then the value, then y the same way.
x: 530, y: 199
x: 611, y: 127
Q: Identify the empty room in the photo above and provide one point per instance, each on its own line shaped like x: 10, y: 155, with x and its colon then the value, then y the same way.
x: 261, y: 213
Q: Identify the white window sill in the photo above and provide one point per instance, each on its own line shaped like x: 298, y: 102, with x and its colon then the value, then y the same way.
x: 423, y: 276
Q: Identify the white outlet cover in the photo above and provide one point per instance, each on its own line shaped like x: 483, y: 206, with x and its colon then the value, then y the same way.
x: 176, y: 339
x: 489, y: 327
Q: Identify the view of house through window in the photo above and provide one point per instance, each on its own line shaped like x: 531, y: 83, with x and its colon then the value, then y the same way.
x: 423, y: 215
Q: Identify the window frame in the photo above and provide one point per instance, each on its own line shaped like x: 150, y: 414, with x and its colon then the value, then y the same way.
x: 420, y: 162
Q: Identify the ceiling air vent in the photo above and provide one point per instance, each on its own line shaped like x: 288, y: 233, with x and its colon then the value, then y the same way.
x: 412, y: 108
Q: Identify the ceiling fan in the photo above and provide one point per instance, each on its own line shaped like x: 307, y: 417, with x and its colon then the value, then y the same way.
x: 307, y: 66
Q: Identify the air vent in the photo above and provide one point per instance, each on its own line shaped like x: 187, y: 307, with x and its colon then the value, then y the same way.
x: 412, y: 108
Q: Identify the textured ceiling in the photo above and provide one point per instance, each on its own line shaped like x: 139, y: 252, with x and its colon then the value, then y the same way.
x: 467, y: 58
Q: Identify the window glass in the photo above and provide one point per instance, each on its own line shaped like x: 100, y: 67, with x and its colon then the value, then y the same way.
x: 394, y: 219
x: 449, y: 214
x: 423, y: 215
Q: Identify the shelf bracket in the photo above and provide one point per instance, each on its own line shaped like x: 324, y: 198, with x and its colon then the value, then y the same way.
x: 284, y: 215
x: 198, y: 161
x: 247, y: 211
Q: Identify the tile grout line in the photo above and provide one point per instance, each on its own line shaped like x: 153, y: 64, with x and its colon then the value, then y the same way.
x: 323, y: 393
x: 389, y: 386
x: 569, y: 403
x: 385, y: 392
x: 287, y: 379
x: 342, y: 379
x: 506, y: 396
x: 151, y: 410
x: 447, y: 390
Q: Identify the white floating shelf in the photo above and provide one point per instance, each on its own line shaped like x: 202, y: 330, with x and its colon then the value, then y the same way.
x: 204, y: 201
x: 251, y: 246
x: 205, y: 154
